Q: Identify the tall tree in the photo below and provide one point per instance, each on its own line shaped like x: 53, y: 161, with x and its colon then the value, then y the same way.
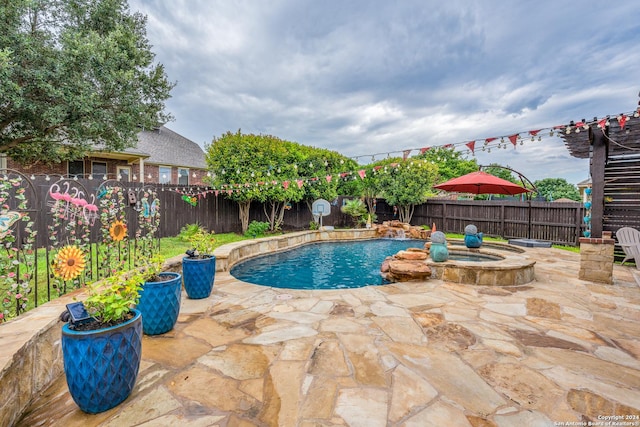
x: 74, y: 73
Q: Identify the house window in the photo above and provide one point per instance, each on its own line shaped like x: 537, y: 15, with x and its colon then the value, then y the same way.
x: 165, y: 175
x: 99, y: 170
x: 183, y: 176
x: 124, y: 173
x: 76, y: 168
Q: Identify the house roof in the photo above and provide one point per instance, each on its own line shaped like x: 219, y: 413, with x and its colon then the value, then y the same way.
x: 165, y: 147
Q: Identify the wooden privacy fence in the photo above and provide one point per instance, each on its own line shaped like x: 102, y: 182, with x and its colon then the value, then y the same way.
x: 560, y: 223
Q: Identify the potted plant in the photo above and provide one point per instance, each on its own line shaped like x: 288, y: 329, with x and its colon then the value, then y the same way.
x: 160, y: 295
x: 199, y: 266
x: 102, y: 343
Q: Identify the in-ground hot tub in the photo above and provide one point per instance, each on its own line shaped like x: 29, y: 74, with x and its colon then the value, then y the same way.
x: 494, y: 264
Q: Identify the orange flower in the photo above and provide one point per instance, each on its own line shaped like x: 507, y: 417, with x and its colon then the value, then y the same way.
x: 118, y: 230
x: 69, y: 263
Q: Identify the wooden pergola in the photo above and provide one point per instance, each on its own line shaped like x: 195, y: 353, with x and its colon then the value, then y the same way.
x: 613, y: 146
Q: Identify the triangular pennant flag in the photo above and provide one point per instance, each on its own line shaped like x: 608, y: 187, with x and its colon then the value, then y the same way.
x: 448, y: 146
x: 471, y: 145
x: 328, y: 178
x: 285, y: 184
x: 216, y: 193
x: 488, y: 140
x: 343, y: 174
x: 622, y: 120
x: 514, y: 139
x: 377, y: 168
x: 424, y: 150
x: 405, y: 154
x: 362, y: 173
x: 602, y: 123
x: 534, y: 132
x: 300, y: 183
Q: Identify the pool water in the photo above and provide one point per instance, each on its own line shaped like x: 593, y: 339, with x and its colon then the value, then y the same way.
x: 325, y: 265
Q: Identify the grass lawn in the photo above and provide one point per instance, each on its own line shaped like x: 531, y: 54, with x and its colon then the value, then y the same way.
x: 173, y: 246
x: 169, y: 247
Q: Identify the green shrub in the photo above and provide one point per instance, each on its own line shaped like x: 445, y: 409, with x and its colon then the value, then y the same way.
x: 188, y: 231
x: 257, y: 229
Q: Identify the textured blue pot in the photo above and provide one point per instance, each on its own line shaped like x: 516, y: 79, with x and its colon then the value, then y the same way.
x: 160, y: 304
x: 101, y: 366
x: 198, y: 276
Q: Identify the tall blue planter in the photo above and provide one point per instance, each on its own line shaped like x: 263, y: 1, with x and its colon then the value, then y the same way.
x: 198, y: 275
x: 101, y: 366
x: 160, y: 304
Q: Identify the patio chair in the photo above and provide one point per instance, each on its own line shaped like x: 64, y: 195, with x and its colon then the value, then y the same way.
x: 629, y: 241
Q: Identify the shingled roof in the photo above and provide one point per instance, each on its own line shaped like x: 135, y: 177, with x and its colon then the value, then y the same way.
x: 165, y: 147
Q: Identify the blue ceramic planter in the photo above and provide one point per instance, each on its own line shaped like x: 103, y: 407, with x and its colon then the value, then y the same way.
x: 198, y: 275
x: 101, y: 366
x: 160, y: 304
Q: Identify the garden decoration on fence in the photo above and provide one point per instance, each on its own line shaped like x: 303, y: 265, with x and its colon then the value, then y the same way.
x: 114, y: 249
x: 17, y: 234
x: 69, y: 251
x: 148, y: 206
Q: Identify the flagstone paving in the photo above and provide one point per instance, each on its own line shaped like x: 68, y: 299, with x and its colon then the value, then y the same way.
x: 556, y: 351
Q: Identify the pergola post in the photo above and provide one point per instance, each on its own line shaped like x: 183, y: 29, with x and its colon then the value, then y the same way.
x: 600, y: 148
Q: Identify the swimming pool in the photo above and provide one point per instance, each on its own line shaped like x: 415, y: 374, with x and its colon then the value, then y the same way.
x: 325, y: 265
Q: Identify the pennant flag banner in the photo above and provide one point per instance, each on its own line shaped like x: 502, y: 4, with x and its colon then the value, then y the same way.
x: 424, y: 150
x: 285, y: 184
x: 362, y: 173
x: 328, y: 178
x: 472, y: 146
x: 300, y: 183
x: 514, y: 139
x: 622, y: 120
x: 405, y: 154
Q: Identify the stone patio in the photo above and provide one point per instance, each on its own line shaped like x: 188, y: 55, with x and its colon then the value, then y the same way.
x: 556, y: 351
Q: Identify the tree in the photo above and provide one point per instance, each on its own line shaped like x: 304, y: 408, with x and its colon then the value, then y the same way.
x: 253, y: 167
x: 406, y: 183
x: 557, y: 188
x: 451, y: 163
x: 75, y: 74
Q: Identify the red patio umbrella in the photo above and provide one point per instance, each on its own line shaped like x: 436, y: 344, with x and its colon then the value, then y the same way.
x: 480, y: 182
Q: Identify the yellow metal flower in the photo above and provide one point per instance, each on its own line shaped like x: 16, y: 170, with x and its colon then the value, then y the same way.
x: 118, y: 230
x: 69, y: 263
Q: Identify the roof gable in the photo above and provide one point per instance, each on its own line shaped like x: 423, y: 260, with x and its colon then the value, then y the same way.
x: 166, y: 147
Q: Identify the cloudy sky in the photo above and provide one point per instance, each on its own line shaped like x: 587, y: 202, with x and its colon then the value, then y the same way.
x: 364, y: 77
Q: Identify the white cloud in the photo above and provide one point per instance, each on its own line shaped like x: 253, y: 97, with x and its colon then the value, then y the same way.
x: 364, y: 77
